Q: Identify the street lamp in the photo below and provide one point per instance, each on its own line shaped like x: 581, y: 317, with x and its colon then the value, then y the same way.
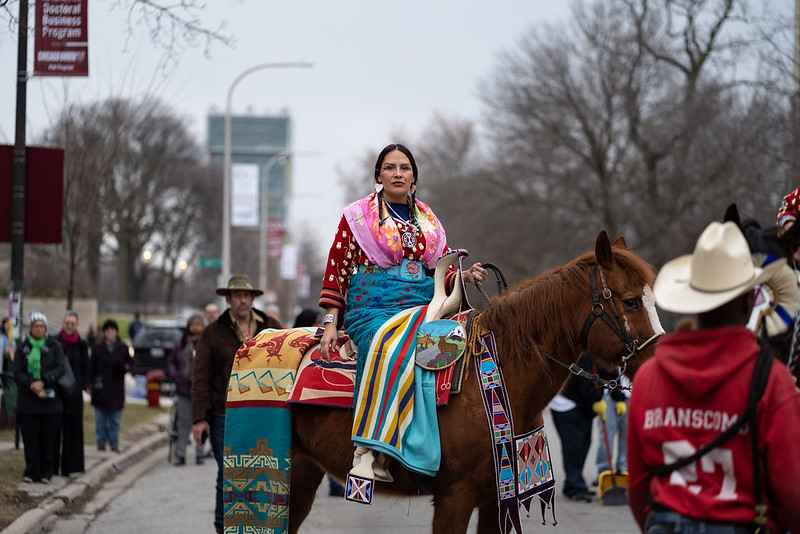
x: 226, y: 186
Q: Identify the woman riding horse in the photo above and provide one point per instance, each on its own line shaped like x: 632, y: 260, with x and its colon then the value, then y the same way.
x: 381, y: 262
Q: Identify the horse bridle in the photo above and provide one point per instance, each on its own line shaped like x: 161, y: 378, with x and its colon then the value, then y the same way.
x: 603, y: 308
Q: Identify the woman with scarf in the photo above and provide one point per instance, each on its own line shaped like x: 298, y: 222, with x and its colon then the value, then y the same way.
x: 179, y: 366
x: 38, y: 365
x: 381, y: 262
x: 70, y: 453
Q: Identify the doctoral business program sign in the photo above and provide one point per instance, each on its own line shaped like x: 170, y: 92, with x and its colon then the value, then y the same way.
x: 62, y: 38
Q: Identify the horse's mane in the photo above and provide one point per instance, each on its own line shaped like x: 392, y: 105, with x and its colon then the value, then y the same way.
x: 533, y: 312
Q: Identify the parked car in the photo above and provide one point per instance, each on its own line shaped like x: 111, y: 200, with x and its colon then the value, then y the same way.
x: 152, y: 346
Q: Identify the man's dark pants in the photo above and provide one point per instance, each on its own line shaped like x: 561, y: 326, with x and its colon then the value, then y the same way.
x: 575, y: 430
x: 217, y: 445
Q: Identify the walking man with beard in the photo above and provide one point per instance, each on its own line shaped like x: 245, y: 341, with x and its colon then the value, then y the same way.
x: 212, y: 368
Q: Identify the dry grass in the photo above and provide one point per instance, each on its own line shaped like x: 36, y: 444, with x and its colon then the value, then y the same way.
x: 13, y: 503
x: 132, y: 416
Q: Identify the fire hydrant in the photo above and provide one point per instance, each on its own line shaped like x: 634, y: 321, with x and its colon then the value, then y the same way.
x: 154, y: 379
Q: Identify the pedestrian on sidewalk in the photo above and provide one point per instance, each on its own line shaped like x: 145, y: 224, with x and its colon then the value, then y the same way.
x: 135, y: 326
x: 714, y: 419
x: 210, y: 313
x: 613, y: 412
x: 38, y: 366
x: 573, y: 411
x: 179, y: 366
x: 110, y: 361
x: 70, y: 453
x: 212, y: 367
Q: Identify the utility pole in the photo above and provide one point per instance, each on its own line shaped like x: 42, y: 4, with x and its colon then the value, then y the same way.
x: 18, y: 177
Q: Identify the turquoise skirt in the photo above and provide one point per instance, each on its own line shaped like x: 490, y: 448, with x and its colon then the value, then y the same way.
x: 374, y: 296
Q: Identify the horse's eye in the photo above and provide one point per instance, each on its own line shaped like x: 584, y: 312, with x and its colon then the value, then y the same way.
x: 633, y: 304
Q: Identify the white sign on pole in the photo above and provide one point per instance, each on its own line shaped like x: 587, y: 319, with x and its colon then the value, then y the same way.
x: 244, y: 194
x: 289, y: 262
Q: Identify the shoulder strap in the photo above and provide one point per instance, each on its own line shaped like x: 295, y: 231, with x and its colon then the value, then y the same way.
x: 757, y: 385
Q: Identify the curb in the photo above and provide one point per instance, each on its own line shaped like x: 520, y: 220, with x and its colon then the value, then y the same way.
x: 34, y: 520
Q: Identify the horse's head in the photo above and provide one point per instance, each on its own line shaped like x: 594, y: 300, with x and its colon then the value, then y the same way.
x: 621, y: 324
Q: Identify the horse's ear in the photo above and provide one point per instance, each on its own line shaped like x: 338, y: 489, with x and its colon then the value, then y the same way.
x: 602, y: 250
x: 732, y: 215
x: 619, y: 242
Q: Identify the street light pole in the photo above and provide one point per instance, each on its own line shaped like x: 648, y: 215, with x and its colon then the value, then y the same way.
x: 264, y: 215
x: 226, y: 186
x: 18, y: 176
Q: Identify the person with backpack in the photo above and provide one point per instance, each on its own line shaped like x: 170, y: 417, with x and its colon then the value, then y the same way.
x: 714, y: 419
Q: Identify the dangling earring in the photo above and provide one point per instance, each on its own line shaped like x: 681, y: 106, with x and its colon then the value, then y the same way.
x: 378, y: 187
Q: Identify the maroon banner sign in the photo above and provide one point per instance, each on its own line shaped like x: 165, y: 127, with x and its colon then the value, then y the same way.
x: 44, y: 195
x: 62, y: 38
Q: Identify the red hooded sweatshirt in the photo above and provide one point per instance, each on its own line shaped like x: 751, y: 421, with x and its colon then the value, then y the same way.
x: 694, y: 388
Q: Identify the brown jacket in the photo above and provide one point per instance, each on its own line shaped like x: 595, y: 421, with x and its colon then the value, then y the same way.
x: 213, y: 362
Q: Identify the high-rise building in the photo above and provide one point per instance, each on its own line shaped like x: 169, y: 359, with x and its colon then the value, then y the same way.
x: 259, y: 148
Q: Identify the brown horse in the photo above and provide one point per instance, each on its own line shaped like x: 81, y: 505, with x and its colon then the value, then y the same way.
x: 536, y: 323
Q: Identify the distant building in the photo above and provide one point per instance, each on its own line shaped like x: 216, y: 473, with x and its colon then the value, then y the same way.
x: 257, y: 140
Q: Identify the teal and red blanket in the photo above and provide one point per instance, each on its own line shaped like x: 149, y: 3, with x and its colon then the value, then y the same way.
x: 258, y: 436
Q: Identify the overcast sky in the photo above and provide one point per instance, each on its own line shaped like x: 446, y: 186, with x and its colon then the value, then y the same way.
x: 379, y: 66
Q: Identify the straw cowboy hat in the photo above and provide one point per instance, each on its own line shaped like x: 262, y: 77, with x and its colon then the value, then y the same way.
x: 239, y: 282
x: 719, y: 270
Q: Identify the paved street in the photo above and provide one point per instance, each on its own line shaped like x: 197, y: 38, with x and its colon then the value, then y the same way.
x: 180, y: 500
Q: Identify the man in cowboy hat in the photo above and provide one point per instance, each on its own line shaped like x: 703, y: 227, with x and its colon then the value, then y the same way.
x: 212, y: 367
x: 696, y: 387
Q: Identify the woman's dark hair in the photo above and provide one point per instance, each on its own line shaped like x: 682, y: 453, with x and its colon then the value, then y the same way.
x: 187, y: 330
x: 307, y: 317
x: 379, y: 163
x: 110, y: 323
x: 391, y: 148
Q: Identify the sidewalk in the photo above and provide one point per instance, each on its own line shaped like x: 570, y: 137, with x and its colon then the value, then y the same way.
x: 100, y: 466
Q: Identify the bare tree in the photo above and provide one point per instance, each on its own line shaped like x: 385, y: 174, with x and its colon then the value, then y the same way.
x: 171, y: 25
x: 629, y: 120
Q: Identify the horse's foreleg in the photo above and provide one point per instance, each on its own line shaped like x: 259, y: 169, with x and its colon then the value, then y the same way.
x: 452, y: 508
x: 306, y: 476
x: 488, y: 520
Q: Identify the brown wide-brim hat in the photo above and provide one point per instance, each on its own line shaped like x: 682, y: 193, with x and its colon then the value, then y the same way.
x: 239, y: 282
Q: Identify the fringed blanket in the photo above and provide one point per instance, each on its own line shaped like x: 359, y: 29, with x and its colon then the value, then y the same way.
x: 258, y: 431
x: 396, y: 404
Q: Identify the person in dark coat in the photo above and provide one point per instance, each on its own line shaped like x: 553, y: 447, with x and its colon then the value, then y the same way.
x: 573, y: 411
x: 212, y: 368
x: 38, y: 365
x: 70, y: 453
x: 110, y: 361
x: 179, y: 366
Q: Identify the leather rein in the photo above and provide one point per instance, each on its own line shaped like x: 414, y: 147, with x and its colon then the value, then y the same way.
x: 603, y: 309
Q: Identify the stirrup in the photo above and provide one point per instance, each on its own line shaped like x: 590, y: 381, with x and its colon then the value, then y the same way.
x: 360, y: 483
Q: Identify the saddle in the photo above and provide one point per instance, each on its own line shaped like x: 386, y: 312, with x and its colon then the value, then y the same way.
x: 440, y: 347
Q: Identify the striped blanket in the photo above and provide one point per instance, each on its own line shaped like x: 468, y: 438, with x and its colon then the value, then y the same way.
x: 395, y: 410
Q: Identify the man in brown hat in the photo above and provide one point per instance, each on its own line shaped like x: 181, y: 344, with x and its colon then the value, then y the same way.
x: 212, y: 367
